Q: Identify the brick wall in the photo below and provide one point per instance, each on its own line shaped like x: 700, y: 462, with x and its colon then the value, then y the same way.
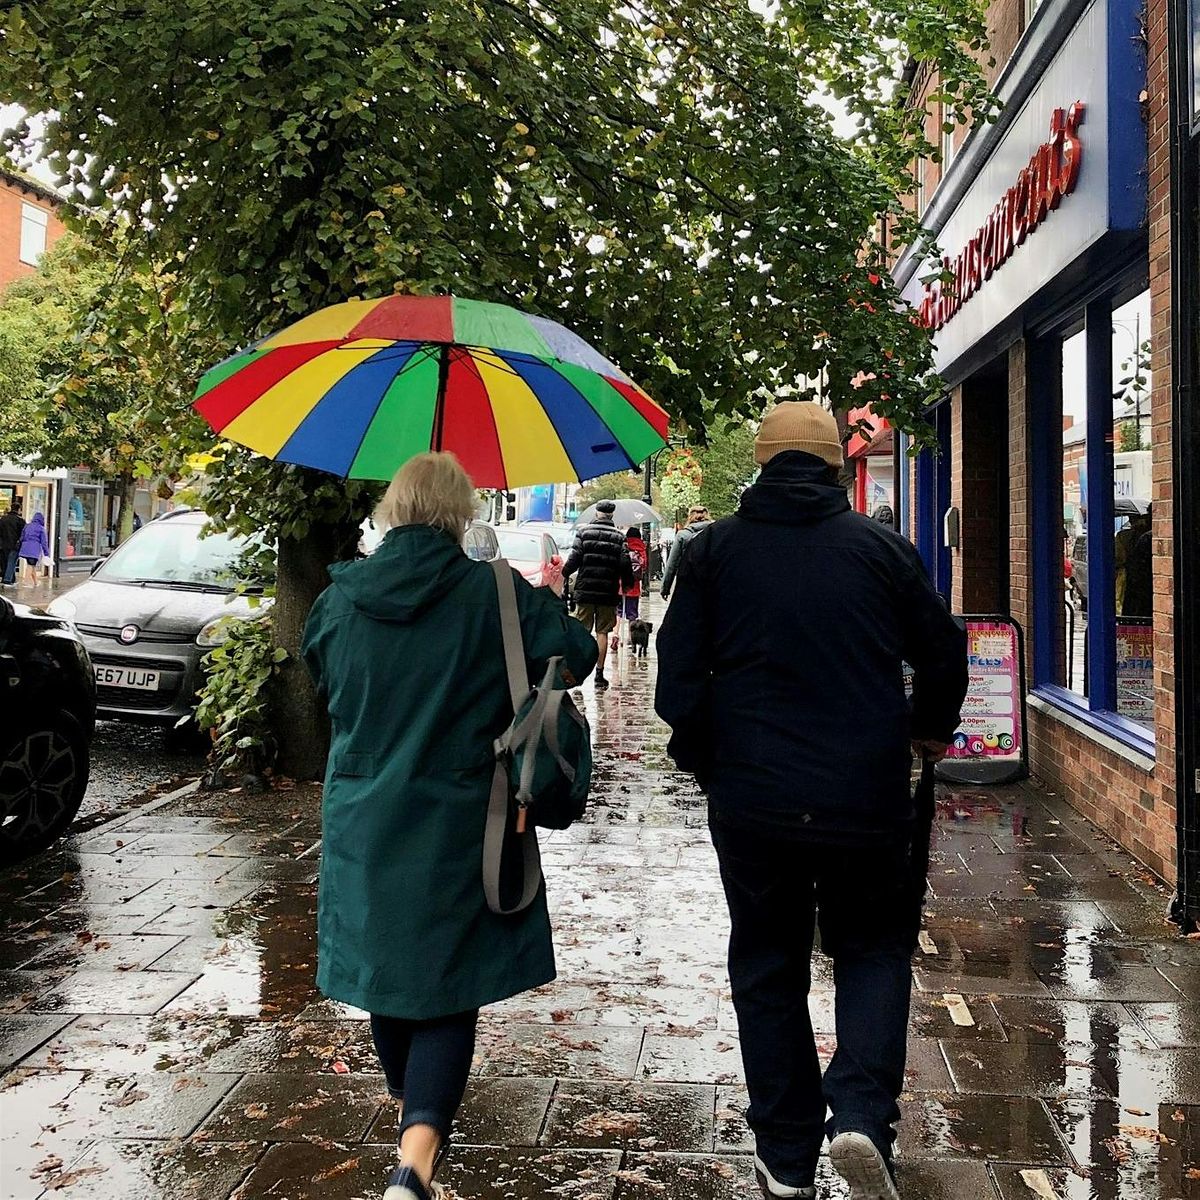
x: 1005, y: 24
x: 12, y: 196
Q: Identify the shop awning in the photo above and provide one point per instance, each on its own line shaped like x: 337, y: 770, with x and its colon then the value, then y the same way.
x: 879, y: 440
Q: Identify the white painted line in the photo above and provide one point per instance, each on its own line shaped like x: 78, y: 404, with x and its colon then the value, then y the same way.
x: 927, y: 944
x: 1038, y: 1182
x: 960, y: 1013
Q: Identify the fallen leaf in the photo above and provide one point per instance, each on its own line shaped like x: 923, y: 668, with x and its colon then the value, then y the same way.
x: 63, y: 1181
x: 255, y: 1112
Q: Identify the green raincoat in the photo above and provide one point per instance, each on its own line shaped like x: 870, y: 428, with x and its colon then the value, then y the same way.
x: 405, y: 647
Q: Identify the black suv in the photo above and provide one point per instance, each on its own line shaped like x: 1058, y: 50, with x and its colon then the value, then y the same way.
x: 47, y: 716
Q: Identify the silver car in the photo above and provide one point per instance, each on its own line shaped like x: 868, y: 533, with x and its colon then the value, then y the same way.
x: 150, y: 612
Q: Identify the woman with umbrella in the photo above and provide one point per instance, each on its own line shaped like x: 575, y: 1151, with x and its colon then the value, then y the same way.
x: 405, y: 647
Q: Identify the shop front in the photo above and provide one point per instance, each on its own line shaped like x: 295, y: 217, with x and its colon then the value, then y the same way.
x: 1049, y: 496
x: 72, y: 504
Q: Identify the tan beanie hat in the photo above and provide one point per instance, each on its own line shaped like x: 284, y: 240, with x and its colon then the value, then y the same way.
x: 799, y: 425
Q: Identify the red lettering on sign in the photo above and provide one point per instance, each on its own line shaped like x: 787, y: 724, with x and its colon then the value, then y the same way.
x: 1051, y: 173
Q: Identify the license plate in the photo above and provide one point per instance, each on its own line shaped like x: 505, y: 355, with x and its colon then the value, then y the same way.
x: 127, y: 677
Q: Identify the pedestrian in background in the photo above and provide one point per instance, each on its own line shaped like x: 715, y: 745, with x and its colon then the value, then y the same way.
x: 12, y: 526
x: 406, y: 649
x: 600, y: 559
x: 35, y: 546
x: 787, y: 702
x: 697, y: 522
x: 631, y: 596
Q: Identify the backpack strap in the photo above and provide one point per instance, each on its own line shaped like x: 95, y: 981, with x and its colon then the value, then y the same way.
x: 495, y: 832
x: 494, y: 835
x: 510, y: 630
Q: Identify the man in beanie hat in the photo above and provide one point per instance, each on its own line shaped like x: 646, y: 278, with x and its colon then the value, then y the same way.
x: 787, y: 702
x: 601, y: 558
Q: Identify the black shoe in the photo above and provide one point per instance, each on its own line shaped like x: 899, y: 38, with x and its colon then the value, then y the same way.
x: 601, y: 682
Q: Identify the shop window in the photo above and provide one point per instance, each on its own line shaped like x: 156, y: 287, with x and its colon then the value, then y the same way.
x: 1133, y: 548
x: 1071, y: 664
x: 34, y: 224
x: 1096, y: 549
x: 83, y: 522
x: 949, y: 128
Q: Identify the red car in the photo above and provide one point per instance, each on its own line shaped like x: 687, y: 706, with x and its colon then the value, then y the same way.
x: 535, y: 555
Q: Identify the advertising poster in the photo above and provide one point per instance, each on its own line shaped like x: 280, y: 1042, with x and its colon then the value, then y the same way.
x: 988, y: 745
x: 1135, y: 671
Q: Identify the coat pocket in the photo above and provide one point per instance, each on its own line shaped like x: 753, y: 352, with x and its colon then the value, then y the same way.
x: 356, y: 764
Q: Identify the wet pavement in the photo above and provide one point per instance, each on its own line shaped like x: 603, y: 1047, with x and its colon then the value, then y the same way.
x: 130, y: 760
x: 161, y: 1036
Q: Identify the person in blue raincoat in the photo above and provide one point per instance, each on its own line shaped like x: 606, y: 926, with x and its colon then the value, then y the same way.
x: 406, y: 649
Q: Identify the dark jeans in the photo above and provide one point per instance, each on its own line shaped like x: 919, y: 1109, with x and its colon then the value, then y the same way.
x: 869, y: 915
x: 8, y: 561
x: 426, y: 1064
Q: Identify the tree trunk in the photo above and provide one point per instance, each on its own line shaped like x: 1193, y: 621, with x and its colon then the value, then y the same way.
x: 298, y: 718
x: 125, y: 489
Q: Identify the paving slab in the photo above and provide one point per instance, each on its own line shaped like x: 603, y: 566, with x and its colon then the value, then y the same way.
x: 163, y: 1036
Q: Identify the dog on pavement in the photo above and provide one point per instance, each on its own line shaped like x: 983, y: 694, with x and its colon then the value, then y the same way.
x: 639, y: 637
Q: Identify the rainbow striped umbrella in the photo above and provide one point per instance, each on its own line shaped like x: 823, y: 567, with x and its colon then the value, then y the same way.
x: 357, y: 389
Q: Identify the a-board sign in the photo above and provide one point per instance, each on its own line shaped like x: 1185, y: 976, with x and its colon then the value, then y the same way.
x: 989, y: 745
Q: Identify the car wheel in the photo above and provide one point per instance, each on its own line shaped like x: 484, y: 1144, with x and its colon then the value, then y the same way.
x: 43, y: 776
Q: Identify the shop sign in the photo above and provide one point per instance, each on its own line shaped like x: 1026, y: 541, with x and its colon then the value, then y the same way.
x: 1051, y: 173
x: 80, y: 475
x: 1073, y: 85
x: 1135, y: 671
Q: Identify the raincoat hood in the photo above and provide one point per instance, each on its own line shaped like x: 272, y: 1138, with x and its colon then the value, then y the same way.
x: 793, y: 489
x: 414, y: 567
x: 37, y: 519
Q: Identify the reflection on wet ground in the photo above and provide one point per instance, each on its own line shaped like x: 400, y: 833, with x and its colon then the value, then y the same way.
x: 161, y: 1036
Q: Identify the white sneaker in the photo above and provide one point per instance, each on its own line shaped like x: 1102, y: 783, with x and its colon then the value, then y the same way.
x: 406, y: 1185
x: 857, y: 1160
x: 771, y: 1186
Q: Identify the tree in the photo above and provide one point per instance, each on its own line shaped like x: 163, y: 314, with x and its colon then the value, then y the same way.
x: 88, y: 369
x: 727, y: 463
x: 621, y: 485
x: 662, y: 176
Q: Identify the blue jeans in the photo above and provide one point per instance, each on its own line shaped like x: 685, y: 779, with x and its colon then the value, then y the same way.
x: 869, y: 910
x: 11, y: 559
x: 426, y: 1064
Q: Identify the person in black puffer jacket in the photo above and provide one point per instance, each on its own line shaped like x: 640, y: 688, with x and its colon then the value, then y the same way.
x: 786, y: 700
x: 600, y: 559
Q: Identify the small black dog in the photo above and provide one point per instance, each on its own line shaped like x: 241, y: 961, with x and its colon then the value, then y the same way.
x: 639, y: 637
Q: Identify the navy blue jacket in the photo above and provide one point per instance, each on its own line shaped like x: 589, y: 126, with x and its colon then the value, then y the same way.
x: 780, y: 663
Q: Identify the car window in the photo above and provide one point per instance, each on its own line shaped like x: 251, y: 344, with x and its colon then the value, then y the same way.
x: 515, y: 544
x: 177, y: 552
x: 489, y: 542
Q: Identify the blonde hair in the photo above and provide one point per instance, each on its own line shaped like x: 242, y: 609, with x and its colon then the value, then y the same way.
x: 431, y: 489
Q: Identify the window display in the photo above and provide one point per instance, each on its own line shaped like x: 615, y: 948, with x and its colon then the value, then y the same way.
x: 83, y: 512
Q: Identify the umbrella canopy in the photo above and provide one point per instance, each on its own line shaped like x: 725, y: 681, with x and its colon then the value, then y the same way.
x: 1130, y: 506
x: 359, y: 388
x: 629, y: 512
